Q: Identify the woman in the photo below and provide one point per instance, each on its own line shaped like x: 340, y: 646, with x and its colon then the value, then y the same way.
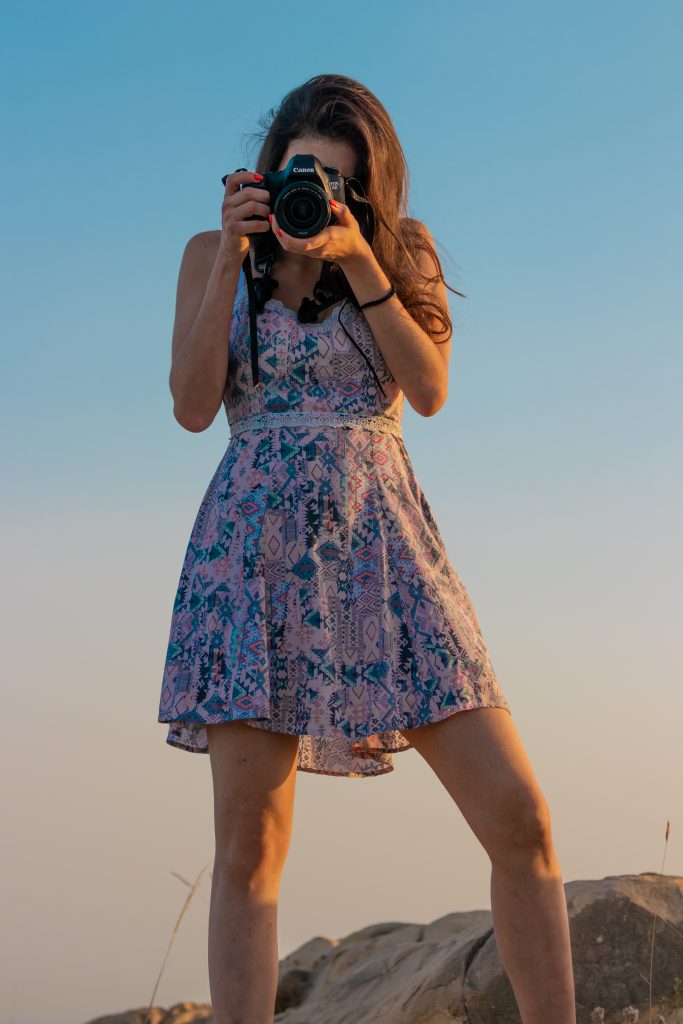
x: 318, y: 624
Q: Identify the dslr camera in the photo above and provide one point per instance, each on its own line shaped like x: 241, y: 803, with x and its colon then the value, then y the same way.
x: 300, y: 195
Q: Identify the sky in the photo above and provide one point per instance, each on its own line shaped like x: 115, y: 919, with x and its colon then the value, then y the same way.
x: 545, y: 156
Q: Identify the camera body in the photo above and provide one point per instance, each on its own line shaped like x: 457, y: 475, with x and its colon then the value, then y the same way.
x: 300, y: 195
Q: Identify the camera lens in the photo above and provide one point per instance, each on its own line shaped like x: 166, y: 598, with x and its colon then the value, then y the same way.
x: 303, y: 210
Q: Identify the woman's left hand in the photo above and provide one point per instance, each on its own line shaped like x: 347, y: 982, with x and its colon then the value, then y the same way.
x: 340, y: 243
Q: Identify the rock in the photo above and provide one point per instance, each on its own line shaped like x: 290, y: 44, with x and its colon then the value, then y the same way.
x: 180, y: 1013
x: 449, y: 971
x: 611, y: 935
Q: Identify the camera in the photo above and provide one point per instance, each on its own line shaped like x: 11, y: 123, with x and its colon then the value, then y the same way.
x: 300, y: 195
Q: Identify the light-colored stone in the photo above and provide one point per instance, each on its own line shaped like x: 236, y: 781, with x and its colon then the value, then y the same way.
x: 449, y: 971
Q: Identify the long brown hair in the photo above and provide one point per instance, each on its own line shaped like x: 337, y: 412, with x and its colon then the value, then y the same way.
x: 337, y: 107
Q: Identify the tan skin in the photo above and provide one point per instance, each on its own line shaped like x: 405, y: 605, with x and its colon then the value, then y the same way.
x: 478, y: 755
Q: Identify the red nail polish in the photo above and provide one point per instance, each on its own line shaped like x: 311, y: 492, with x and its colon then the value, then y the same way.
x: 333, y: 202
x: 279, y: 232
x: 257, y: 176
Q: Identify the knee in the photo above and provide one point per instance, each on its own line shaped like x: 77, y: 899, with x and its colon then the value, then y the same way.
x: 251, y: 857
x: 522, y: 831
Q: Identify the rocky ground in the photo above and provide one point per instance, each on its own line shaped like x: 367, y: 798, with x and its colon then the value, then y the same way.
x: 449, y: 971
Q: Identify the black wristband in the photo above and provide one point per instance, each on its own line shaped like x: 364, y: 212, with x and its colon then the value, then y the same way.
x: 375, y: 302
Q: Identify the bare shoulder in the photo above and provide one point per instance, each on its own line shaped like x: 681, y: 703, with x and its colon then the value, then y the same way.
x: 424, y: 257
x: 210, y: 238
x: 411, y: 222
x: 203, y: 244
x: 198, y: 258
x: 421, y: 231
x: 426, y: 251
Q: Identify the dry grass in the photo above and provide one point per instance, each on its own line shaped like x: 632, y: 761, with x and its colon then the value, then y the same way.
x: 193, y: 886
x: 671, y: 1005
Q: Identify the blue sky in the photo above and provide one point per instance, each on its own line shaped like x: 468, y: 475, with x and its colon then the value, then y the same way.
x: 545, y: 154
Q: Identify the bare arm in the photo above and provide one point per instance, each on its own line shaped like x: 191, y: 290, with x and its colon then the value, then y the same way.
x: 207, y: 286
x: 419, y: 366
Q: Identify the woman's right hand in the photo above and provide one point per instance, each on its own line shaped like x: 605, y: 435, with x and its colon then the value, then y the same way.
x: 238, y: 204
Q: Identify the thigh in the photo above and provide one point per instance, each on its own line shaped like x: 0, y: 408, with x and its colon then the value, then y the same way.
x: 254, y: 778
x: 479, y: 757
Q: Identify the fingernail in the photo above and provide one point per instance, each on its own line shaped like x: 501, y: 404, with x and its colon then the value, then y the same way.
x: 333, y: 202
x: 279, y: 232
x: 270, y: 218
x: 258, y: 177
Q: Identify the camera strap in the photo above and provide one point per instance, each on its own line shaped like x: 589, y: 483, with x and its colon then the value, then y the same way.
x: 252, y: 326
x: 265, y: 286
x: 325, y: 290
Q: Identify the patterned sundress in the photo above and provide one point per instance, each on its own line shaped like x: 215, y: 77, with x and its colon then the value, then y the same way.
x: 316, y: 596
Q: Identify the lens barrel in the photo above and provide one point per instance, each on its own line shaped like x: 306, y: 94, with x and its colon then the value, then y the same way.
x: 303, y: 209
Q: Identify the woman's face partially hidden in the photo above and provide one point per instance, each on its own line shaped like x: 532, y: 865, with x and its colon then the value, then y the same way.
x: 330, y: 153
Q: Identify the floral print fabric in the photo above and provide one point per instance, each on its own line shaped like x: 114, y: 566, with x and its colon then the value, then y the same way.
x: 316, y: 596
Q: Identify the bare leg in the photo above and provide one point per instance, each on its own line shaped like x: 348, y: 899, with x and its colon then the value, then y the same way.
x: 254, y: 775
x: 479, y: 757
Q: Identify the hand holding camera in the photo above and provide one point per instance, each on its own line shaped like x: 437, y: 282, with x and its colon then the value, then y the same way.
x: 310, y: 213
x: 245, y: 210
x: 339, y: 243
